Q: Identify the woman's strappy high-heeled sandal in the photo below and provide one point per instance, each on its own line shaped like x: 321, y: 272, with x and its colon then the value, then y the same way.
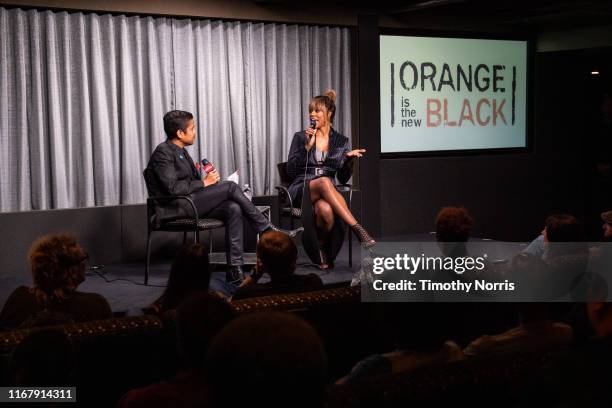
x: 363, y: 236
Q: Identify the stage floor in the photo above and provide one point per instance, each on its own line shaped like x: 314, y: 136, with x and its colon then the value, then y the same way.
x: 122, y: 284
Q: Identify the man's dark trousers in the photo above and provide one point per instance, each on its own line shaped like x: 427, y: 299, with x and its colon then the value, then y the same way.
x: 226, y: 202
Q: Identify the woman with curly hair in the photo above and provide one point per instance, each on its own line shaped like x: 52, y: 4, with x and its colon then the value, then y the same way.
x: 58, y: 267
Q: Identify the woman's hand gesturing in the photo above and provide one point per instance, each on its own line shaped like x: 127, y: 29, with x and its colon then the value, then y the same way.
x: 355, y: 153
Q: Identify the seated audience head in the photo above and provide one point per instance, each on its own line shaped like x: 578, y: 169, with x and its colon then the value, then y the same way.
x: 607, y: 226
x: 198, y: 320
x: 453, y: 225
x: 563, y: 235
x: 190, y: 273
x: 277, y: 358
x: 176, y: 121
x: 44, y: 358
x: 276, y: 255
x: 562, y: 228
x: 58, y: 267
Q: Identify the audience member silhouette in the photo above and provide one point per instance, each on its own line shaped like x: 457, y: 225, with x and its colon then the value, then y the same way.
x: 558, y: 227
x: 453, y: 228
x: 58, y: 268
x: 268, y: 359
x: 189, y: 274
x: 198, y: 320
x: 276, y: 256
x: 421, y: 332
x: 555, y: 264
x: 598, y: 310
x: 536, y: 331
x: 45, y: 358
x: 601, y: 260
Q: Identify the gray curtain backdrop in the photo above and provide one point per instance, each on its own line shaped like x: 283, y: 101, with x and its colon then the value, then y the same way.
x: 82, y: 98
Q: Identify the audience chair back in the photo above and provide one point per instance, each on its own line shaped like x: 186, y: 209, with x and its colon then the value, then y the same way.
x: 117, y: 354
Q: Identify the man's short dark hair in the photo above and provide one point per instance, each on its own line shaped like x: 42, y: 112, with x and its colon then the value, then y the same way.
x: 277, y: 253
x: 563, y: 228
x: 176, y: 120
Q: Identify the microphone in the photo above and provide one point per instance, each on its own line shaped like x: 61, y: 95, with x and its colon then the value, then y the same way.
x: 207, y: 166
x: 313, y: 125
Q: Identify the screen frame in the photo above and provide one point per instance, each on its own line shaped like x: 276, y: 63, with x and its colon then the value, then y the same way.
x: 528, y: 38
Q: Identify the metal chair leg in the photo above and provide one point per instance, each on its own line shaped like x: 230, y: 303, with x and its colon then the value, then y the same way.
x: 210, y: 241
x: 280, y: 216
x: 146, y: 276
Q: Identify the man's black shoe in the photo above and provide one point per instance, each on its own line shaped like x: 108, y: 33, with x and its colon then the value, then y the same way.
x: 234, y: 274
x: 292, y: 233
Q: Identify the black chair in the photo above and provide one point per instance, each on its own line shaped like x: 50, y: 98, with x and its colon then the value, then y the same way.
x: 184, y: 225
x: 286, y: 209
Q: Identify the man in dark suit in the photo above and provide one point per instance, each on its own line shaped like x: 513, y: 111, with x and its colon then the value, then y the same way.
x: 171, y: 171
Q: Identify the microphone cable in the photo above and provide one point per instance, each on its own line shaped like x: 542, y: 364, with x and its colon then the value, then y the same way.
x: 313, y: 125
x: 98, y: 270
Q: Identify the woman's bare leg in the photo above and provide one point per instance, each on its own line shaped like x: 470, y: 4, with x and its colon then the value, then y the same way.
x: 324, y: 215
x: 323, y: 188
